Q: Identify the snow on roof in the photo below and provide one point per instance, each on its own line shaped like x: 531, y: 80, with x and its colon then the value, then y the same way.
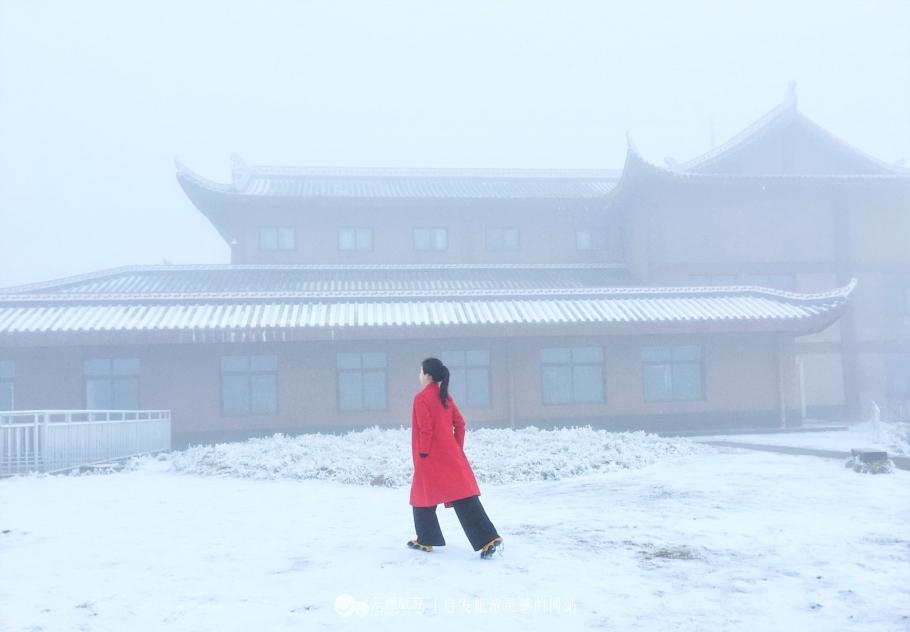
x: 363, y: 182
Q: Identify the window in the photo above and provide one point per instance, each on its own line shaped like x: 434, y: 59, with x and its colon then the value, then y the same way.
x: 702, y: 280
x: 502, y: 239
x: 430, y: 239
x: 469, y: 377
x: 277, y: 238
x: 672, y: 373
x: 111, y: 383
x: 355, y: 238
x: 7, y: 375
x: 896, y: 289
x: 361, y: 381
x: 584, y: 240
x: 572, y: 375
x: 897, y: 375
x: 776, y: 281
x: 249, y: 385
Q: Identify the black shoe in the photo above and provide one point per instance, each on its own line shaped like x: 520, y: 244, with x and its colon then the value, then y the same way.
x: 491, y: 547
x: 414, y: 544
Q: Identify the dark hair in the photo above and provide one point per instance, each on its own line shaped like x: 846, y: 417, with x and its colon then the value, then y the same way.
x: 440, y: 373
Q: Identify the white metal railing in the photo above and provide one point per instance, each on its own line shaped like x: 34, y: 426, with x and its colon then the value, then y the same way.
x: 52, y: 440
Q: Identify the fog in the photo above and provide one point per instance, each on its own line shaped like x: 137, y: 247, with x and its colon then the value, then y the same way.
x: 97, y: 98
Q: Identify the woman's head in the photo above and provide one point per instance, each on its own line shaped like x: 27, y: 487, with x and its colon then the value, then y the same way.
x: 433, y: 370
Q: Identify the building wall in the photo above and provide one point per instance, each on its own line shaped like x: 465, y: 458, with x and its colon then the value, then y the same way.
x: 740, y: 378
x: 547, y: 233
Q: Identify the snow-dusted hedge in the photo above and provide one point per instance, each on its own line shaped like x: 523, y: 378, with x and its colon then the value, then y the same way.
x: 376, y: 456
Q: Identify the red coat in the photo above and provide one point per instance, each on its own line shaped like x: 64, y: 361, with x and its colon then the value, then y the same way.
x: 445, y: 475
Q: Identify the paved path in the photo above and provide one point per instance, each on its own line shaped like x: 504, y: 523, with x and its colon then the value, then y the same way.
x: 900, y: 462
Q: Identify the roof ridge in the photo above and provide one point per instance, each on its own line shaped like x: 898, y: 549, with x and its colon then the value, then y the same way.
x: 747, y: 134
x: 516, y: 294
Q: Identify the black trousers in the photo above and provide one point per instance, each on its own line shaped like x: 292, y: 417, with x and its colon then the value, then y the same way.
x: 473, y: 519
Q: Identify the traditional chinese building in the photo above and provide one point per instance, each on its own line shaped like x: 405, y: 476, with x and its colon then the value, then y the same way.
x: 711, y: 295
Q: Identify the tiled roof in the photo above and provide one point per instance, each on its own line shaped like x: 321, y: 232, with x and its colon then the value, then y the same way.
x: 239, y: 281
x: 41, y: 310
x: 317, y: 182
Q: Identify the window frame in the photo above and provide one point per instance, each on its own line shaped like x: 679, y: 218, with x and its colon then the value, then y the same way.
x: 502, y: 231
x: 431, y: 231
x: 572, y: 364
x: 464, y: 402
x: 111, y: 377
x: 670, y: 363
x: 249, y: 373
x: 355, y: 233
x: 384, y: 370
x: 277, y: 230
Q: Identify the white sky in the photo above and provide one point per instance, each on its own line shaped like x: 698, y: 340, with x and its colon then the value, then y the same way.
x: 96, y: 98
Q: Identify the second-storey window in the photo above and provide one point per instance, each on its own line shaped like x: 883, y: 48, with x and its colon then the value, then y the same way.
x: 502, y: 239
x: 572, y: 375
x: 361, y: 381
x: 249, y: 385
x: 111, y: 383
x: 469, y: 376
x: 353, y: 238
x: 277, y: 238
x: 672, y: 373
x: 430, y: 239
x: 7, y: 382
x: 897, y: 375
x: 896, y: 293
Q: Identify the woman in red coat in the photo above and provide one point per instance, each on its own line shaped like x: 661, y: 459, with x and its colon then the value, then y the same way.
x: 442, y: 473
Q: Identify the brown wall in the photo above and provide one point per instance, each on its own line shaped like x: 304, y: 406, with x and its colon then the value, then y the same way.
x: 740, y: 382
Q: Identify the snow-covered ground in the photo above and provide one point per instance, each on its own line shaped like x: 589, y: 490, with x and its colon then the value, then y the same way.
x: 723, y: 540
x: 891, y: 437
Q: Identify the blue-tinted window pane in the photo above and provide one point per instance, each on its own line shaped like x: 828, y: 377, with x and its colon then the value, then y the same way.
x: 510, y: 239
x: 235, y: 394
x: 478, y: 387
x: 422, y: 238
x: 557, y: 384
x: 583, y: 240
x: 346, y: 239
x: 235, y: 363
x: 268, y: 238
x: 350, y: 392
x: 125, y: 393
x: 587, y: 384
x: 457, y: 385
x: 556, y: 356
x: 98, y: 393
x: 7, y: 369
x: 374, y: 360
x: 287, y: 239
x: 657, y: 385
x: 374, y: 390
x: 452, y: 358
x: 688, y: 353
x: 440, y: 239
x: 655, y: 354
x: 348, y: 360
x: 587, y: 355
x: 897, y: 373
x: 264, y: 394
x: 97, y: 366
x: 686, y: 380
x: 126, y: 366
x: 480, y: 357
x: 264, y: 363
x: 6, y: 395
x: 364, y: 239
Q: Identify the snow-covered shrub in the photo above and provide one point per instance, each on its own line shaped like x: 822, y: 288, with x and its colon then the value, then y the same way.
x: 376, y: 456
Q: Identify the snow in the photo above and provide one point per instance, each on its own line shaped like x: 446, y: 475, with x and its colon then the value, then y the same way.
x: 893, y: 437
x: 723, y: 540
x: 377, y: 456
